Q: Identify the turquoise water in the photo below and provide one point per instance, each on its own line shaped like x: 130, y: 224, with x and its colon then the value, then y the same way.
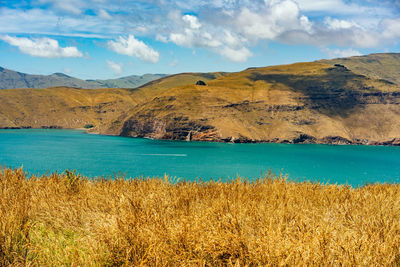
x: 40, y: 151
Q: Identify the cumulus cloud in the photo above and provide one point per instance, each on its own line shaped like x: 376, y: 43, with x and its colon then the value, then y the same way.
x: 116, y: 67
x: 227, y: 27
x: 42, y: 47
x: 192, y: 21
x: 270, y: 20
x: 135, y: 48
x: 287, y: 21
x: 232, y: 33
x: 221, y: 41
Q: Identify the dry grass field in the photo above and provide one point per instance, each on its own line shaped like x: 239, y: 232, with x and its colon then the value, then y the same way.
x: 68, y: 220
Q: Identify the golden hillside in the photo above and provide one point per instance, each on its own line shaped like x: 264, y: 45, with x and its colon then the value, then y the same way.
x: 63, y: 107
x: 310, y: 102
x: 304, y: 102
x: 385, y: 66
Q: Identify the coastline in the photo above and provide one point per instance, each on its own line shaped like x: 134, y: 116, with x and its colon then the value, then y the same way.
x: 302, y: 139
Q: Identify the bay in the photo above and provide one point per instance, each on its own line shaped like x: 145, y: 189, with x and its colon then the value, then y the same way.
x: 48, y: 150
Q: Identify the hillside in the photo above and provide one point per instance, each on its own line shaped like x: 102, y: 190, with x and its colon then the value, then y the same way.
x: 63, y: 107
x: 131, y: 81
x: 311, y: 102
x: 303, y: 102
x: 10, y: 79
x: 378, y: 66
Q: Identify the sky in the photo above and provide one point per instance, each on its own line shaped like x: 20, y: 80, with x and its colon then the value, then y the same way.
x: 102, y: 39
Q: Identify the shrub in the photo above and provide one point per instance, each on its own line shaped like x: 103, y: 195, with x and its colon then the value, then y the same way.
x: 88, y: 126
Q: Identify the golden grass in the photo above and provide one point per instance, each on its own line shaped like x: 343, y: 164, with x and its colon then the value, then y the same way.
x: 64, y: 219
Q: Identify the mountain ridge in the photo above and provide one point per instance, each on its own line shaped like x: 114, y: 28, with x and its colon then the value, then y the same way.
x: 10, y: 79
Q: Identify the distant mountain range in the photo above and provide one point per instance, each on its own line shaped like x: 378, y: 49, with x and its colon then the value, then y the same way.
x: 10, y: 79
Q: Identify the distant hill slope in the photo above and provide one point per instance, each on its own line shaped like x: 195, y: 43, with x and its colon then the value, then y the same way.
x: 311, y: 102
x: 131, y: 81
x: 385, y: 66
x: 10, y: 79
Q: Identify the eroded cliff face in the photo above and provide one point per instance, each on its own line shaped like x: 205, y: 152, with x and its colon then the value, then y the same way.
x: 171, y: 128
x: 374, y: 120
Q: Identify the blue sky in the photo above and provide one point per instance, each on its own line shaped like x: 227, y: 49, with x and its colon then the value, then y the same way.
x: 108, y: 39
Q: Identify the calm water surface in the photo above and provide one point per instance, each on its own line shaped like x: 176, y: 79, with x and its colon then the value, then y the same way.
x: 40, y: 151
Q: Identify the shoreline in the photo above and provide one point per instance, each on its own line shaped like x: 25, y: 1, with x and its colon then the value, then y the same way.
x: 302, y: 139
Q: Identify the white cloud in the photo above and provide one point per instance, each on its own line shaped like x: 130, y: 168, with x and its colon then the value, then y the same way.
x: 221, y: 26
x: 192, y: 21
x: 231, y: 39
x: 135, y: 48
x: 194, y: 38
x: 237, y: 55
x: 161, y: 38
x: 42, y: 47
x: 337, y: 53
x: 306, y: 24
x: 285, y: 21
x: 272, y: 19
x: 391, y: 28
x: 221, y: 41
x: 116, y: 67
x: 235, y: 30
x: 39, y: 21
x: 337, y: 24
x: 182, y: 39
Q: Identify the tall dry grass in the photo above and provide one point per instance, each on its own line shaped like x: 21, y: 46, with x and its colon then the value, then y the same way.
x: 64, y: 219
